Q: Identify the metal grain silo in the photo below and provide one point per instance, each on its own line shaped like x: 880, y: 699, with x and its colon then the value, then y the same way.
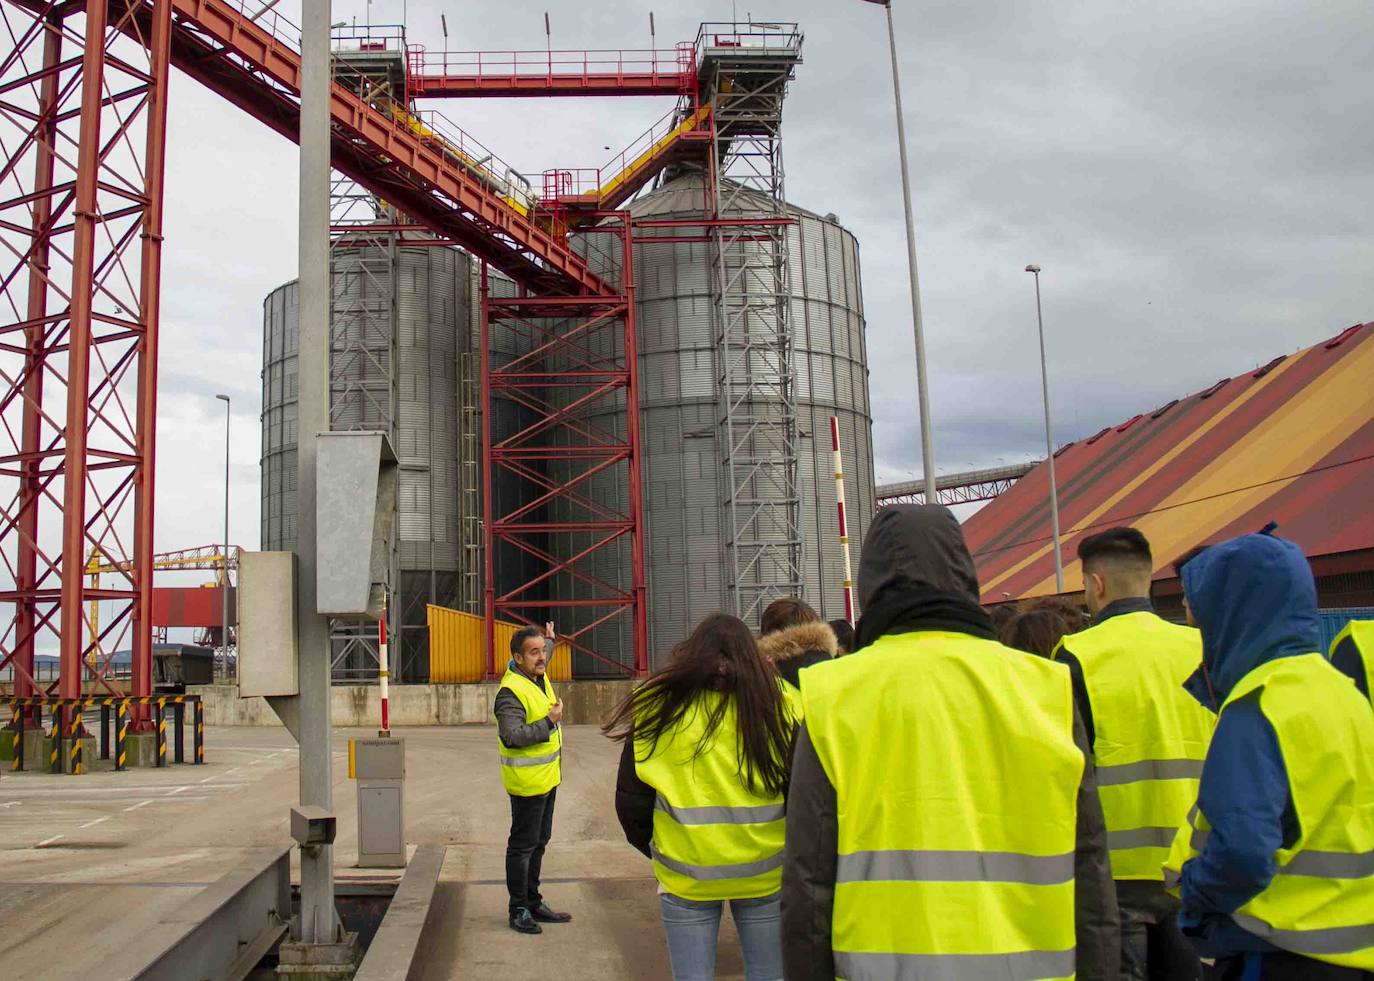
x: 401, y: 322
x: 684, y: 554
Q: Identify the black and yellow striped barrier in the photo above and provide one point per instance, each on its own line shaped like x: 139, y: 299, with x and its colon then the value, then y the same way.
x: 74, y: 733
x: 17, y: 734
x: 160, y: 723
x: 67, y: 718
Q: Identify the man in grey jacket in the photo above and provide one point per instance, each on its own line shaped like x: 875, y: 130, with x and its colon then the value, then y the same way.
x: 527, y: 718
x: 915, y: 574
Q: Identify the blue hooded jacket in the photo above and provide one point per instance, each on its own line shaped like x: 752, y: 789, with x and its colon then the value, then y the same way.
x: 1255, y: 601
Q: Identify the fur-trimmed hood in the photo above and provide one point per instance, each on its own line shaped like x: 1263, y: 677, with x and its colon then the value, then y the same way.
x: 796, y: 642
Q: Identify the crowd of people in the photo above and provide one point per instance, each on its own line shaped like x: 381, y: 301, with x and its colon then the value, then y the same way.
x: 1045, y: 792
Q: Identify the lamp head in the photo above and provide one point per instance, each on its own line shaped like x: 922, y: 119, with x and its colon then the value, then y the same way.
x: 222, y: 398
x: 1032, y: 268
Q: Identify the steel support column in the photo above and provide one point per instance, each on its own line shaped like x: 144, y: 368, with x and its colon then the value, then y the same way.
x: 562, y: 499
x: 82, y: 126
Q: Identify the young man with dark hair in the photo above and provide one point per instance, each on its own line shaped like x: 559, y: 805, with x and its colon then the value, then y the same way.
x: 1149, y: 739
x: 531, y: 744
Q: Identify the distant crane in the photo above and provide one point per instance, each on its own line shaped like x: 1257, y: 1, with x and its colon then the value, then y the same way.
x: 200, y: 557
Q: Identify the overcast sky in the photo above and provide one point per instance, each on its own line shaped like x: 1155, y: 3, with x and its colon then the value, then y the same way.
x: 1195, y: 180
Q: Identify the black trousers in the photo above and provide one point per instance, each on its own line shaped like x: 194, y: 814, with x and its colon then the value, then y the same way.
x: 1282, y: 967
x: 531, y: 825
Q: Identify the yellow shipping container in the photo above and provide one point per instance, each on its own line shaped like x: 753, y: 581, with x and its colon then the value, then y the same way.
x: 457, y: 654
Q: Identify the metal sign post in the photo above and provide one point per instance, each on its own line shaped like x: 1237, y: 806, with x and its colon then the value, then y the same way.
x: 318, y: 922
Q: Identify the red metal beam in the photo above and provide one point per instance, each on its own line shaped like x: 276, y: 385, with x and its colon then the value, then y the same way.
x: 245, y: 62
x: 549, y: 73
x: 526, y: 86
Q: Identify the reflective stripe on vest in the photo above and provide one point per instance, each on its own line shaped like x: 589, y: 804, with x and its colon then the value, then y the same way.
x: 1320, y: 902
x: 1150, y: 736
x: 919, y: 802
x: 1356, y: 644
x: 945, y: 866
x: 1026, y: 965
x: 713, y: 837
x: 530, y: 771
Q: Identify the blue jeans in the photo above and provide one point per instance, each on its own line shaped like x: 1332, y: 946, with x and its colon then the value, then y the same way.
x: 692, y: 928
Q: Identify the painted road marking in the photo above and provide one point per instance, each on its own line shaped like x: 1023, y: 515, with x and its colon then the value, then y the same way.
x: 142, y: 803
x: 92, y: 824
x: 47, y: 841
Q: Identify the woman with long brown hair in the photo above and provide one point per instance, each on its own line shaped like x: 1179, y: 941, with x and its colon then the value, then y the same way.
x: 707, y: 742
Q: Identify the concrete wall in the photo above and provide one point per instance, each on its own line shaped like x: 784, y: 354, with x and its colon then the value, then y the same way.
x: 584, y: 702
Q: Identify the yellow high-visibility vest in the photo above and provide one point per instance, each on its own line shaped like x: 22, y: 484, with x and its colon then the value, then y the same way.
x: 1150, y: 736
x: 1358, y: 635
x: 531, y: 770
x: 956, y: 778
x: 791, y: 696
x: 714, y: 838
x: 1320, y: 903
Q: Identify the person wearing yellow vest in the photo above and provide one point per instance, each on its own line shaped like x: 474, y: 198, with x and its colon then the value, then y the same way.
x: 1352, y: 653
x: 1275, y: 863
x: 1149, y: 739
x: 942, y: 817
x: 531, y: 748
x: 700, y: 792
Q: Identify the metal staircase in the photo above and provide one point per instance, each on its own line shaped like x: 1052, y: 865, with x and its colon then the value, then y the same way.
x: 744, y: 71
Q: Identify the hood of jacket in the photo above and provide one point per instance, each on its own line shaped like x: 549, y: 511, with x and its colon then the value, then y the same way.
x: 795, y: 642
x: 1255, y: 600
x: 921, y: 544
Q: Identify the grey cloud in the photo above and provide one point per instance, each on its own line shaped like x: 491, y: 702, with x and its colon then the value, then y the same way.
x: 1194, y: 179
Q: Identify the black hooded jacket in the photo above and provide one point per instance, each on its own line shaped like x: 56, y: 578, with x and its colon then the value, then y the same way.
x: 915, y: 573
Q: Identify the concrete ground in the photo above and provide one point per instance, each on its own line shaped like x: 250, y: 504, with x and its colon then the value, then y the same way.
x: 80, y: 854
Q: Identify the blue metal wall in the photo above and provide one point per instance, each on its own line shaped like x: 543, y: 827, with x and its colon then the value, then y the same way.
x: 1334, y: 621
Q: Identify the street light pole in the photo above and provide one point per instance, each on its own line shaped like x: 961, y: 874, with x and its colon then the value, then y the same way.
x: 1049, y: 439
x: 224, y: 589
x: 918, y: 328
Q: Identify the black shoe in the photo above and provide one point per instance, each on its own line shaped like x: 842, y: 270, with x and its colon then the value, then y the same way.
x: 522, y: 922
x: 545, y: 915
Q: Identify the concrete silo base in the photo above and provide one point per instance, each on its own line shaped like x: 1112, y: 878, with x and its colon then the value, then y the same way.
x: 584, y: 703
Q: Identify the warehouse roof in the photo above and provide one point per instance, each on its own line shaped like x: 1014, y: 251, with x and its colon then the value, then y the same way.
x: 1291, y: 441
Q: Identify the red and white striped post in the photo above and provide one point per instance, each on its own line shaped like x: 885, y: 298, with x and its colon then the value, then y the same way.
x: 383, y: 674
x: 849, y: 611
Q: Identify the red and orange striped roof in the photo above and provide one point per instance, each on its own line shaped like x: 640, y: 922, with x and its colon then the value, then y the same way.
x: 1292, y: 442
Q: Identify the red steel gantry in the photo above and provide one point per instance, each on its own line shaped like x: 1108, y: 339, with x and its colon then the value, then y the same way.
x: 83, y: 106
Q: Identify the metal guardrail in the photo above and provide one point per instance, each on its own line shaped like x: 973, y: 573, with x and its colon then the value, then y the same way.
x: 769, y: 37
x: 562, y: 64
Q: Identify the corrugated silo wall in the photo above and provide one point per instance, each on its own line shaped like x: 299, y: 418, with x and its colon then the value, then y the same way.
x: 684, y: 554
x: 433, y: 295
